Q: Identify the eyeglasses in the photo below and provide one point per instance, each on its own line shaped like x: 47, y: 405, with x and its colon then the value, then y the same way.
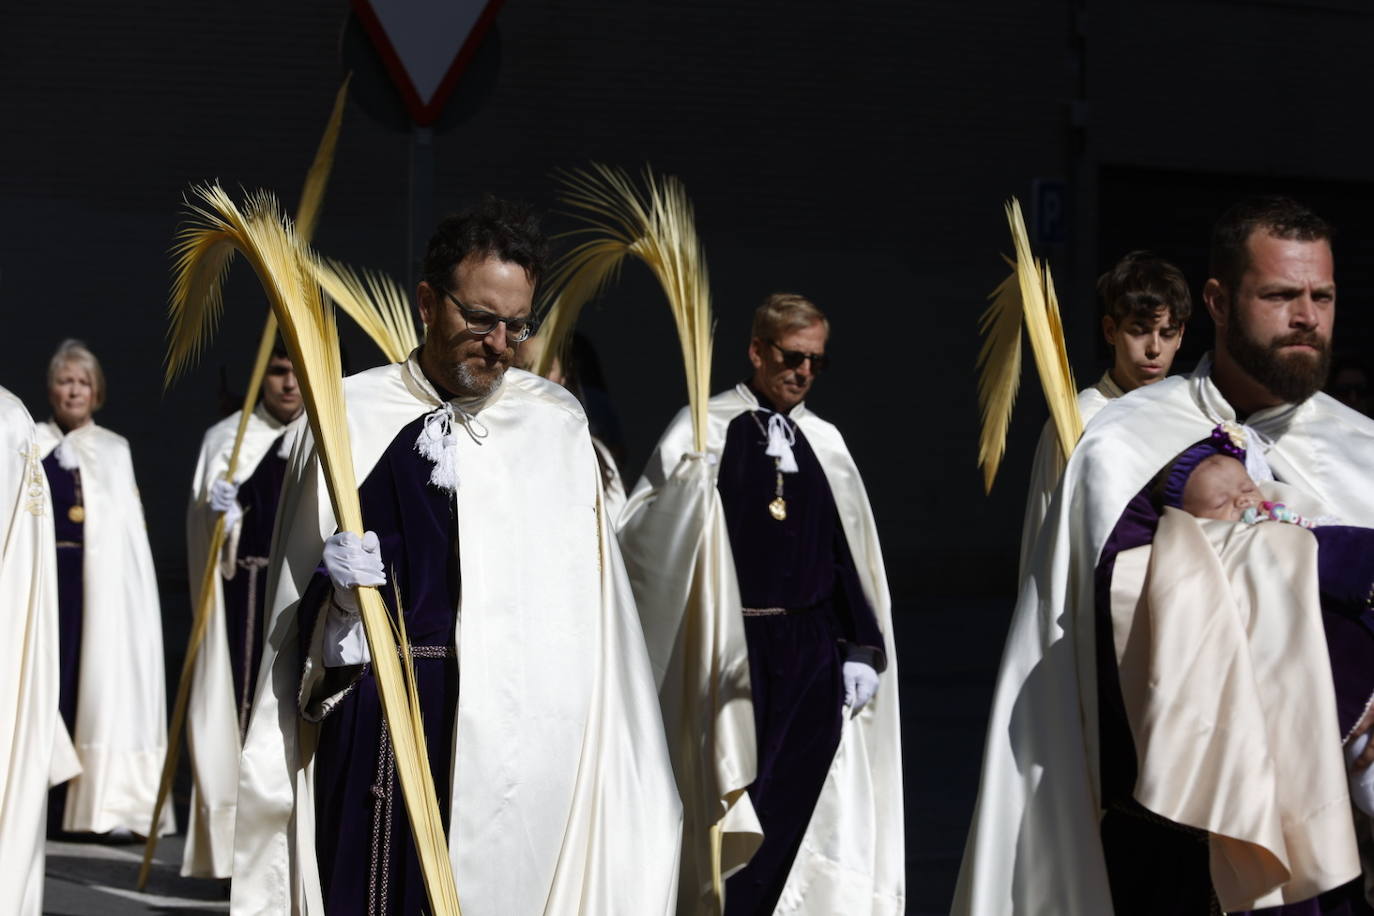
x: 483, y: 323
x: 794, y: 358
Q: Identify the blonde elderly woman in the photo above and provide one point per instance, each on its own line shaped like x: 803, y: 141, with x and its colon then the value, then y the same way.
x: 112, y: 692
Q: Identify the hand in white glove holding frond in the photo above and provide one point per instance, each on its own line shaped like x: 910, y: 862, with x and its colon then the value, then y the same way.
x: 351, y: 561
x: 860, y: 684
x: 224, y: 499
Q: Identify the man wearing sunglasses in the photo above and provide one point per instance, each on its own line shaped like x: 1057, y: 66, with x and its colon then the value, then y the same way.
x: 481, y: 496
x: 816, y: 624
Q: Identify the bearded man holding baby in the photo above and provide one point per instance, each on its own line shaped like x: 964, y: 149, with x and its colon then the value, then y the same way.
x: 1067, y: 821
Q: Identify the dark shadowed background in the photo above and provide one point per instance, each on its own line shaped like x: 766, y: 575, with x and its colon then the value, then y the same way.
x: 857, y: 153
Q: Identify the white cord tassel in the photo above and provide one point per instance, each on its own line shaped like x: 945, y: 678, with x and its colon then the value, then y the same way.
x: 438, y: 443
x: 781, y: 438
x: 66, y: 455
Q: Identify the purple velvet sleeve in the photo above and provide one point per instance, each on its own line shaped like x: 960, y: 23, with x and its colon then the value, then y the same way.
x: 1345, y: 571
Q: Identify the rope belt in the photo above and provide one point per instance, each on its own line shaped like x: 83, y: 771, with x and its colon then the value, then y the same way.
x: 765, y: 611
x: 254, y: 565
x: 430, y: 652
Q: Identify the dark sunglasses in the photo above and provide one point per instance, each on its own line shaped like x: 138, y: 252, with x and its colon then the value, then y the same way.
x: 794, y: 358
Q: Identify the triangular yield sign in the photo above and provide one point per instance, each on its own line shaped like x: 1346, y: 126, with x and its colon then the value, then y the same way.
x: 426, y: 45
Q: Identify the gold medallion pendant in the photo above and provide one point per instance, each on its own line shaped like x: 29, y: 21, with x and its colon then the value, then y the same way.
x: 778, y: 508
x: 77, y: 514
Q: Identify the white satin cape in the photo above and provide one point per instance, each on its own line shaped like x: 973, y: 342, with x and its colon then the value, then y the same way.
x: 35, y: 751
x: 1049, y: 463
x: 212, y: 717
x: 852, y: 856
x: 563, y: 799
x: 121, y: 705
x: 1218, y: 632
x: 677, y: 554
x: 1034, y: 846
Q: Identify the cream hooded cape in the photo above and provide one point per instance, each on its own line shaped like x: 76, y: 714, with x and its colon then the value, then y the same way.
x: 1034, y: 845
x: 212, y: 718
x: 677, y: 554
x: 1048, y: 466
x: 35, y: 751
x: 121, y: 705
x: 852, y: 856
x: 563, y: 798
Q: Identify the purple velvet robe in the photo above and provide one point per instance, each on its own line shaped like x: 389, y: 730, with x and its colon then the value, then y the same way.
x: 802, y: 564
x: 245, y: 595
x: 65, y: 487
x: 367, y: 859
x: 1155, y: 865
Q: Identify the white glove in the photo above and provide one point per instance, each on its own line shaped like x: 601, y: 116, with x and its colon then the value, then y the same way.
x: 350, y: 561
x: 860, y: 683
x: 1361, y: 781
x: 224, y: 499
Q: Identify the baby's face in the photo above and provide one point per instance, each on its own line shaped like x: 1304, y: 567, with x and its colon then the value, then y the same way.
x: 1219, y: 488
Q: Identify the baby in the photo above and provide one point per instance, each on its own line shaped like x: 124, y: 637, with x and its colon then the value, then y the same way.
x: 1209, y: 480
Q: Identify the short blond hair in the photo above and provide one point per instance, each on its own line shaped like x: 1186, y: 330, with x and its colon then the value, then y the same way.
x: 783, y: 312
x: 74, y: 352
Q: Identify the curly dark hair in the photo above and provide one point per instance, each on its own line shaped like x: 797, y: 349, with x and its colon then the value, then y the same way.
x: 1142, y: 283
x: 1281, y: 217
x: 503, y: 229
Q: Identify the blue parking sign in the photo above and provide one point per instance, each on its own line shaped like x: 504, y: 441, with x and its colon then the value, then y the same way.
x: 1050, y: 213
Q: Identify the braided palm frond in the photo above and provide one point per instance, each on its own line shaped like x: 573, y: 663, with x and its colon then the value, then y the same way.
x: 1046, y: 333
x: 375, y: 301
x: 287, y: 270
x: 999, y: 360
x: 656, y: 225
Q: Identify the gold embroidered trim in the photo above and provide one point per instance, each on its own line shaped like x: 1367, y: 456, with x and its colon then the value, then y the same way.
x: 37, y: 481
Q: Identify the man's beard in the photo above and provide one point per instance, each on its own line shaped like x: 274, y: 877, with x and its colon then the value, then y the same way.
x: 1293, y: 377
x: 477, y: 383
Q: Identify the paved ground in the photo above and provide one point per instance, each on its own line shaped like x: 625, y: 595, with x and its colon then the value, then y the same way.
x: 948, y: 650
x: 100, y: 878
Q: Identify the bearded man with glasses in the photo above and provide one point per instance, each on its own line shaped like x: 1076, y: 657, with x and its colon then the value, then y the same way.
x: 816, y: 621
x: 482, y: 500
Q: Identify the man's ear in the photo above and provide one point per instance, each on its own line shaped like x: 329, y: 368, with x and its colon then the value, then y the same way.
x: 1214, y: 296
x: 428, y: 302
x: 756, y: 353
x: 1109, y: 330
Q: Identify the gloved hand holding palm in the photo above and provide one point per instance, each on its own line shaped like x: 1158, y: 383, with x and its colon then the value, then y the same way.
x: 224, y: 499
x: 352, y: 561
